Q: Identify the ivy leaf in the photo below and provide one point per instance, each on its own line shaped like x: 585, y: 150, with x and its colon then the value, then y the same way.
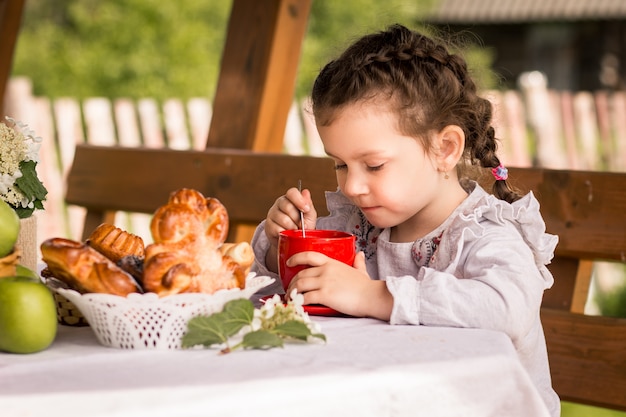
x: 31, y: 187
x: 236, y: 314
x: 205, y: 330
x: 261, y: 339
x: 297, y: 330
x: 29, y: 184
x: 219, y: 327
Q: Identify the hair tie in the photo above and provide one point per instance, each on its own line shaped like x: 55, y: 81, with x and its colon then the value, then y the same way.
x: 500, y: 173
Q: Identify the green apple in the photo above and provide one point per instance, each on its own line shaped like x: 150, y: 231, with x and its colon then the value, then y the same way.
x: 22, y: 271
x: 9, y: 228
x: 28, y: 320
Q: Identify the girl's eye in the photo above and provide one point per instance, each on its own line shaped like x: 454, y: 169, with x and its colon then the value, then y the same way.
x: 375, y: 168
x: 340, y: 167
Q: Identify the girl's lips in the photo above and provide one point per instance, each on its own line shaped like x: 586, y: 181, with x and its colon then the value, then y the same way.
x: 366, y: 209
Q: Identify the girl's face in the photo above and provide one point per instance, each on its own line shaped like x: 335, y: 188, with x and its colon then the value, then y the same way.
x: 388, y: 175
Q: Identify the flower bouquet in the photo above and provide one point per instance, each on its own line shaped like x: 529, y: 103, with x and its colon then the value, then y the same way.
x: 20, y: 186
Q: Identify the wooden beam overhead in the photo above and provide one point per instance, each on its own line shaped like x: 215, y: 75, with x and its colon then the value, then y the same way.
x: 258, y: 71
x: 10, y: 21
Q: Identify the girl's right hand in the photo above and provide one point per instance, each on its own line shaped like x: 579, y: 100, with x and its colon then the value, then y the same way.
x: 285, y: 214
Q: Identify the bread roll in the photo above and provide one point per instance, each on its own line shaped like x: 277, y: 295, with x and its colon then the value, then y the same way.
x: 85, y: 269
x: 242, y: 253
x: 115, y: 243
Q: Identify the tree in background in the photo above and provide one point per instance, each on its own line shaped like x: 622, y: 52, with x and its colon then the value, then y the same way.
x: 150, y: 48
x: 335, y: 24
x: 122, y: 48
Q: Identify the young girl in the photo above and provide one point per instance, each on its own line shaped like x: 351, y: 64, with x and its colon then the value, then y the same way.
x: 401, y: 118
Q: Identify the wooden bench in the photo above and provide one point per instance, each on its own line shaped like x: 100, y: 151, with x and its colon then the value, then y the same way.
x: 586, y: 210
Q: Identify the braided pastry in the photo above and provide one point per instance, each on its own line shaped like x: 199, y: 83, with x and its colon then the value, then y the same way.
x: 188, y: 233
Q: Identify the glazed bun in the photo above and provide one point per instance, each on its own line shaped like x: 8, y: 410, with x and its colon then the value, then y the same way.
x: 85, y: 269
x: 188, y: 233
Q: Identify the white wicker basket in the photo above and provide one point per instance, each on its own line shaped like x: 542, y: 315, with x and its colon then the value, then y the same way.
x: 145, y: 321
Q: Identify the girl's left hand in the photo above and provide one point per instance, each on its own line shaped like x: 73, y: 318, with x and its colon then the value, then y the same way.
x: 344, y: 288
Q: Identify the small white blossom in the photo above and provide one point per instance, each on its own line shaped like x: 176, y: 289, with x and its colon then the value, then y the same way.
x: 256, y: 321
x: 298, y: 304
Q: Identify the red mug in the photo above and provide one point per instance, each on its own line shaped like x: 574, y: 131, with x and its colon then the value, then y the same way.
x: 332, y: 243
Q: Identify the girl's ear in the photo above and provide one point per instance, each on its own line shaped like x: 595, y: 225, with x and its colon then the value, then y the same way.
x: 450, y: 144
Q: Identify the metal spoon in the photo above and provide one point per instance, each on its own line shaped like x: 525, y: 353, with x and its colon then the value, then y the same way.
x: 301, y: 213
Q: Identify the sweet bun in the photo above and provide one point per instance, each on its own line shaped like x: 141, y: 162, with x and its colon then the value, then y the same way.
x: 115, y: 243
x: 189, y: 214
x: 188, y: 233
x: 241, y: 253
x: 85, y: 269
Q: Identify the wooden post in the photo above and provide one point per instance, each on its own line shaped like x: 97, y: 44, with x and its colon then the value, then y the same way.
x: 256, y: 85
x: 10, y: 20
x: 257, y: 77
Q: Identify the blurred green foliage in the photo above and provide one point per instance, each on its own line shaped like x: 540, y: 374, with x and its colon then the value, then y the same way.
x: 612, y: 303
x: 151, y: 48
x: 578, y: 410
x: 122, y: 48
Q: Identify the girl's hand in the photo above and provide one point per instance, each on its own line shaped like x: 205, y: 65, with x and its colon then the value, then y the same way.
x: 285, y: 215
x: 344, y: 288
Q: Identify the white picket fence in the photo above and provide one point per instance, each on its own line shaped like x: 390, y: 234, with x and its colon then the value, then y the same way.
x: 65, y: 122
x: 581, y: 130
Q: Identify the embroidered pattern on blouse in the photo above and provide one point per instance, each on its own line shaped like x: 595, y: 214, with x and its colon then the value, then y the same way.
x: 366, y: 236
x: 424, y: 250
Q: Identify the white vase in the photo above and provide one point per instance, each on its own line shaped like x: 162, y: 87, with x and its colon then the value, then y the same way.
x: 27, y: 243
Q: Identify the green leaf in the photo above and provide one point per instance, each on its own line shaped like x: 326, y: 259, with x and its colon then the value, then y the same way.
x: 237, y: 314
x: 320, y: 336
x: 218, y: 327
x: 297, y: 330
x: 22, y: 212
x: 294, y: 329
x: 29, y: 183
x: 205, y: 330
x: 32, y: 188
x: 261, y: 339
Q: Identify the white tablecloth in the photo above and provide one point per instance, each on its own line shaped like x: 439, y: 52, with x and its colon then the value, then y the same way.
x: 367, y: 368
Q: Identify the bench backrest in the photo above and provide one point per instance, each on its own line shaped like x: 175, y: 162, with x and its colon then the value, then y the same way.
x: 586, y: 209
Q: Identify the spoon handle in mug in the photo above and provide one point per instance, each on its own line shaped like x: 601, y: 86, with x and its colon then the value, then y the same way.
x: 301, y: 213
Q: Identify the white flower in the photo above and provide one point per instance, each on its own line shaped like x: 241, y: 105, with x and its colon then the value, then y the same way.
x: 32, y: 143
x: 298, y: 304
x: 275, y: 312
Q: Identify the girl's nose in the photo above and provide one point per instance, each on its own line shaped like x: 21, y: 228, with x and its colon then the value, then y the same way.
x: 354, y: 185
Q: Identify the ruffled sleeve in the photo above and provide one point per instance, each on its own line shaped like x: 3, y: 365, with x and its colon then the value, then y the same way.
x: 525, y: 216
x: 489, y: 270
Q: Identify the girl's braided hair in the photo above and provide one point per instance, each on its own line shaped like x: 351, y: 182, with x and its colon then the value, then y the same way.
x: 425, y: 86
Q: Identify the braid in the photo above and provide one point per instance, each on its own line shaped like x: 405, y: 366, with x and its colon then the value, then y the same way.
x: 425, y: 85
x: 487, y: 158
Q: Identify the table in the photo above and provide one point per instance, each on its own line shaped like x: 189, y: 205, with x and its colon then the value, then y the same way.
x: 366, y: 368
